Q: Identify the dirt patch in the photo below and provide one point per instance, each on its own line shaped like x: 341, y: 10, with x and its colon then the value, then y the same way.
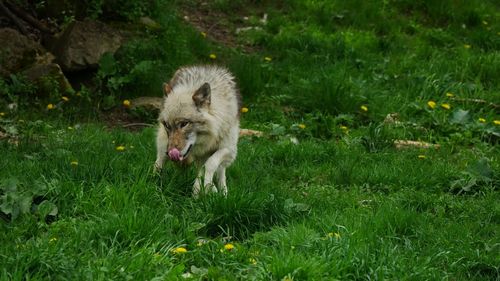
x: 219, y: 26
x: 122, y: 118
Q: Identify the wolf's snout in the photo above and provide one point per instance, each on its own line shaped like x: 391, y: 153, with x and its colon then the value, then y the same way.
x: 174, y: 154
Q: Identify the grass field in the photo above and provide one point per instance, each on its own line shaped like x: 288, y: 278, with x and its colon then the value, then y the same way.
x: 324, y: 195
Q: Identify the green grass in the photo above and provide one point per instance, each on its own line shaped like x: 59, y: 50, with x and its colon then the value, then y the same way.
x: 395, y: 213
x: 323, y: 196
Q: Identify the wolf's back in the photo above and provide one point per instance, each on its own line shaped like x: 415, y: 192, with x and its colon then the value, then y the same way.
x: 224, y: 92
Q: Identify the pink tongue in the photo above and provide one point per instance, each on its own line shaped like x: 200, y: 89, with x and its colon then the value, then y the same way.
x: 174, y: 154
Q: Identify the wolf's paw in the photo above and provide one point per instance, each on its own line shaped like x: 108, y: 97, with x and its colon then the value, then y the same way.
x: 224, y: 191
x: 156, y: 169
x: 197, y: 189
x: 210, y: 187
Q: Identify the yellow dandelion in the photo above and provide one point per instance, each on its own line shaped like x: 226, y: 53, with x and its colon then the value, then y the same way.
x: 179, y: 250
x: 344, y: 128
x: 481, y: 120
x: 302, y: 126
x: 268, y: 59
x: 496, y: 122
x: 446, y: 106
x: 431, y: 104
x: 228, y: 247
x: 74, y: 163
x: 2, y: 114
x: 364, y: 108
x: 422, y: 156
x: 244, y: 109
x: 65, y: 98
x: 120, y: 148
x: 213, y: 56
x: 203, y: 34
x: 50, y: 106
x: 126, y: 103
x: 467, y: 46
x: 450, y: 95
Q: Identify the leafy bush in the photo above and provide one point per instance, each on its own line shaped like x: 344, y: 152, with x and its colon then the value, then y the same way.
x: 17, y: 200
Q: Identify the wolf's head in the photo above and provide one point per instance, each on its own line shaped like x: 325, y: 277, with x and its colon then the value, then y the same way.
x: 183, y: 117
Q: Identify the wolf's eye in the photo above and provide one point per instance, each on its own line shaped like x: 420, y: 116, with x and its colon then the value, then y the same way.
x: 183, y: 124
x: 167, y: 127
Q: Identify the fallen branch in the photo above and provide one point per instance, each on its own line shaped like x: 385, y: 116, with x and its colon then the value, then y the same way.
x: 137, y: 125
x: 28, y: 18
x: 14, y: 18
x: 406, y: 144
x: 497, y: 106
x: 248, y: 132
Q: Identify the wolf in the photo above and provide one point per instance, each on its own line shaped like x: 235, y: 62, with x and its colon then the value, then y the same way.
x: 199, y: 123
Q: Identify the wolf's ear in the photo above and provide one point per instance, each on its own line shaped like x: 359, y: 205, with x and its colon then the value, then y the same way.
x: 167, y: 89
x: 202, y: 96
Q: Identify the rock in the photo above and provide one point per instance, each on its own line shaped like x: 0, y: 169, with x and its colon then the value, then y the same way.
x: 150, y: 23
x: 82, y: 44
x: 392, y: 118
x: 17, y: 51
x: 19, y: 54
x: 46, y: 76
x: 153, y: 103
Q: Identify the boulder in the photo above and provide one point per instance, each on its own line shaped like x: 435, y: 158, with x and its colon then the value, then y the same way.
x: 47, y: 77
x: 17, y: 51
x: 82, y: 44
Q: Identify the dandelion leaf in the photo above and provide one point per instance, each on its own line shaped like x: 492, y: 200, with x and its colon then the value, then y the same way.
x: 460, y: 116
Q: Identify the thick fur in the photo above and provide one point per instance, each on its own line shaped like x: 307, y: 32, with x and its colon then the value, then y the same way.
x: 199, y: 123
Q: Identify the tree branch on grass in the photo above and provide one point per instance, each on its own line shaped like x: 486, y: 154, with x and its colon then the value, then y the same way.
x: 496, y: 106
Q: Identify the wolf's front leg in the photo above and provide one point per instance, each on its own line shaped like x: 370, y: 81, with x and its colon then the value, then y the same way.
x: 197, y: 184
x: 221, y: 174
x: 161, y: 148
x: 213, y: 163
